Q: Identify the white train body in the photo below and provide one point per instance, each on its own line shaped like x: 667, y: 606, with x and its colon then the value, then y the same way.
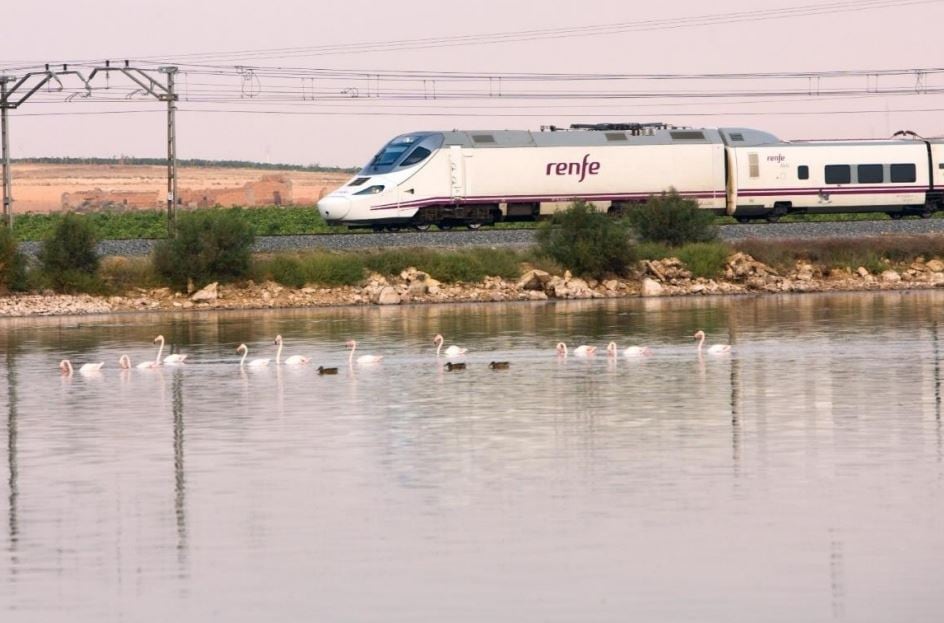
x: 472, y: 178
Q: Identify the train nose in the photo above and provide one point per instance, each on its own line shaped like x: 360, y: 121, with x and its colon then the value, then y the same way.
x: 334, y: 208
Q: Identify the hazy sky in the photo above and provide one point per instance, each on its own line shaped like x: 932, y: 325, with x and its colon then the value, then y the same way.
x: 331, y: 132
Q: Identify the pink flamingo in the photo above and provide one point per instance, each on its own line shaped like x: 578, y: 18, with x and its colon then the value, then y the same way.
x: 580, y: 351
x: 294, y: 360
x: 87, y: 368
x: 452, y: 351
x: 630, y: 351
x: 255, y: 363
x: 363, y: 359
x: 714, y: 349
x: 124, y: 362
x: 169, y: 359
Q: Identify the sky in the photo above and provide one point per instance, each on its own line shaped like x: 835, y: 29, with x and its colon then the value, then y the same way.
x: 303, y: 115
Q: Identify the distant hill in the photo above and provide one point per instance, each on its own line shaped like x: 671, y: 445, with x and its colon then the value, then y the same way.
x: 190, y: 162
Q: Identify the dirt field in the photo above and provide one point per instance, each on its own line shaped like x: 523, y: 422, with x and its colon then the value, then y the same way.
x: 41, y: 187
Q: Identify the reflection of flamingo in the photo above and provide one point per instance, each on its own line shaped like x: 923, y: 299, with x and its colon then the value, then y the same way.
x: 125, y: 364
x: 294, y: 360
x: 714, y: 349
x: 87, y: 368
x: 452, y: 351
x: 255, y: 363
x: 580, y: 351
x: 169, y: 359
x: 363, y: 359
x: 629, y: 351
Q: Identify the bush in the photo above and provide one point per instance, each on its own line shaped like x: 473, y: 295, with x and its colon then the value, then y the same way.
x: 211, y: 245
x: 586, y: 241
x: 704, y: 259
x: 68, y: 259
x: 12, y: 263
x: 330, y: 269
x: 673, y: 220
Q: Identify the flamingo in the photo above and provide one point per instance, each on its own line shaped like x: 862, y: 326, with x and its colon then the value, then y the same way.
x: 452, y: 351
x: 630, y: 351
x: 580, y: 351
x: 255, y: 363
x: 169, y: 359
x: 294, y: 360
x: 714, y: 349
x: 87, y: 368
x: 125, y: 364
x: 363, y: 359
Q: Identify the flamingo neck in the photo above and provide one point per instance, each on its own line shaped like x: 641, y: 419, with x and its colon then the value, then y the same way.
x: 66, y: 366
x: 701, y: 341
x: 439, y: 344
x: 278, y: 354
x: 125, y: 362
x: 350, y: 358
x: 243, y: 360
x: 157, y: 360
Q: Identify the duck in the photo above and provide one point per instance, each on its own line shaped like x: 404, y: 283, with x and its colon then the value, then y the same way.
x: 454, y: 366
x: 499, y: 365
x: 323, y: 370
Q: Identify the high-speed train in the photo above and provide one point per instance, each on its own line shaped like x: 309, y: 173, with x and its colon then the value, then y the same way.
x: 480, y: 177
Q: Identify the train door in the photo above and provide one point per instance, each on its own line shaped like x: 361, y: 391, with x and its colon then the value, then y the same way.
x: 731, y: 174
x: 456, y: 172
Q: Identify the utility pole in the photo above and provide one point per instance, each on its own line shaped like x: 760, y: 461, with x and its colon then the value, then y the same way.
x: 7, y: 182
x: 171, y: 97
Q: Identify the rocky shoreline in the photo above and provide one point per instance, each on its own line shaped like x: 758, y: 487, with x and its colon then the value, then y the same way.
x: 669, y: 277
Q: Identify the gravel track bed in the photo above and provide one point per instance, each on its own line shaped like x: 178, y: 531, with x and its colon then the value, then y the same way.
x: 521, y: 238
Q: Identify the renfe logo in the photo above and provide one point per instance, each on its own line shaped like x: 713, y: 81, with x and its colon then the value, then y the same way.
x: 583, y: 169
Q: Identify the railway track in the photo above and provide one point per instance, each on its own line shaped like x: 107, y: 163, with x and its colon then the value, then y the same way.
x: 521, y: 238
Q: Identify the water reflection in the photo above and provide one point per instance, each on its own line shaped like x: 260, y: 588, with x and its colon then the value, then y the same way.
x: 801, y: 473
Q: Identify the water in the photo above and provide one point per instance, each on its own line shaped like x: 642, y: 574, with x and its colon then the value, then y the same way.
x: 798, y: 479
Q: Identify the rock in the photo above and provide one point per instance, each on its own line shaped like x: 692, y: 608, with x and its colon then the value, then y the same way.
x: 207, y: 294
x: 935, y: 266
x: 651, y: 287
x: 536, y: 295
x: 417, y: 288
x: 611, y: 284
x: 937, y: 278
x: 388, y: 296
x: 863, y: 271
x: 890, y: 276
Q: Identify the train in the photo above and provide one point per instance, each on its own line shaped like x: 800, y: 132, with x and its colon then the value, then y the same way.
x: 474, y: 178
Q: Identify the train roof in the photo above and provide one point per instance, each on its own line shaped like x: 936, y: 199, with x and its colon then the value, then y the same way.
x: 609, y: 134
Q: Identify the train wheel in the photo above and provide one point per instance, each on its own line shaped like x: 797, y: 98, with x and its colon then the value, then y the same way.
x: 743, y: 219
x: 772, y: 218
x: 444, y: 226
x: 393, y: 228
x: 925, y: 214
x: 895, y: 216
x: 473, y: 226
x: 422, y: 227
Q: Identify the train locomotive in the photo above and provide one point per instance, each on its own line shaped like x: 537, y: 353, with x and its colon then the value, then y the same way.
x: 472, y: 178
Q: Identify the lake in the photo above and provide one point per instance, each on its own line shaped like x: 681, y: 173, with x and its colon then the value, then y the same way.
x: 798, y: 478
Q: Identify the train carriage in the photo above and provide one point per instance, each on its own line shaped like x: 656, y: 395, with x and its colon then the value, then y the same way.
x: 477, y: 177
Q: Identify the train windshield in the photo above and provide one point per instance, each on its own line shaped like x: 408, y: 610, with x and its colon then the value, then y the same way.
x: 403, y: 151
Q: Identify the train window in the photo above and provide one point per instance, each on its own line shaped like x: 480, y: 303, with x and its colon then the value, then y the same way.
x: 737, y: 137
x: 870, y: 173
x: 838, y: 173
x: 615, y: 136
x: 417, y: 155
x: 687, y: 135
x: 754, y: 162
x: 803, y: 172
x: 371, y: 190
x: 903, y: 173
x: 389, y: 154
x: 483, y: 138
x: 357, y: 181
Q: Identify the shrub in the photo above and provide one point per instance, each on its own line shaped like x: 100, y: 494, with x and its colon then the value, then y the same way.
x: 586, y: 241
x: 12, y: 262
x: 286, y: 270
x: 120, y: 274
x: 334, y: 269
x: 673, y: 220
x: 704, y: 259
x: 467, y: 265
x: 68, y: 259
x: 210, y: 245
